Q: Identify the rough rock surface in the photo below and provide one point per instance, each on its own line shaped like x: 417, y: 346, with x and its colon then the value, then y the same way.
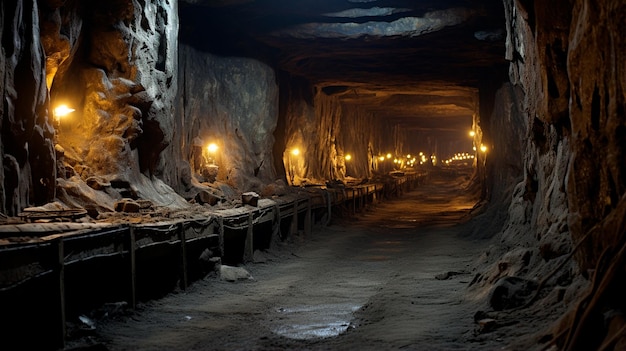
x: 231, y: 102
x: 571, y: 98
x: 27, y: 153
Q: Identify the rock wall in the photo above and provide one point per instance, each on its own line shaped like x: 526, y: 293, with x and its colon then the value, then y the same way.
x: 232, y: 102
x: 115, y: 63
x: 312, y: 127
x: 567, y: 68
x: 27, y: 174
x: 568, y: 81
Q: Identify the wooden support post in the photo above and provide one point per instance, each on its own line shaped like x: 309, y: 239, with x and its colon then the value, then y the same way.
x: 294, y: 219
x: 60, y: 289
x: 132, y: 257
x: 354, y: 199
x: 362, y: 195
x: 183, y: 255
x: 308, y: 220
x: 248, y: 253
x: 220, y: 222
x: 275, y: 227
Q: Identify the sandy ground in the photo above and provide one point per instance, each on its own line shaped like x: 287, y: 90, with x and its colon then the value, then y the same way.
x: 364, y: 283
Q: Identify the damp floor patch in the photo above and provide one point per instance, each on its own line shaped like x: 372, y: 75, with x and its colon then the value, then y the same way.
x: 306, y: 322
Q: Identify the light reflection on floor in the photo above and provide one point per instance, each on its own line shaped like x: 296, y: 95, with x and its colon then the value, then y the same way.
x: 314, y: 322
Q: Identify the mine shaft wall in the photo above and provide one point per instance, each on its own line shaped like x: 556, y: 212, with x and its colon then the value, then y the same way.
x: 115, y: 70
x: 28, y: 163
x: 567, y: 72
x: 232, y: 102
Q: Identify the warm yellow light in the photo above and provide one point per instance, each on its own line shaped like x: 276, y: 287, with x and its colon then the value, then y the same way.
x: 348, y: 157
x: 381, y: 158
x: 408, y: 156
x: 421, y: 153
x: 483, y: 148
x: 62, y: 110
x: 472, y: 133
x: 388, y: 155
x: 295, y: 152
x: 212, y: 148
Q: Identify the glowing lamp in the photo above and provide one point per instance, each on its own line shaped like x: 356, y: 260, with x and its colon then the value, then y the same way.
x: 295, y: 152
x: 408, y: 156
x: 483, y: 148
x: 348, y: 157
x: 212, y: 148
x: 62, y: 111
x: 388, y: 155
x: 472, y: 133
x: 381, y: 158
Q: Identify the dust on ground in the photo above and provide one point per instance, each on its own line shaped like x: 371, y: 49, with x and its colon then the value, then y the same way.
x: 392, y: 278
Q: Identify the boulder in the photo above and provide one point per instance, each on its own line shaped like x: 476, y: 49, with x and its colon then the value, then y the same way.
x: 250, y: 198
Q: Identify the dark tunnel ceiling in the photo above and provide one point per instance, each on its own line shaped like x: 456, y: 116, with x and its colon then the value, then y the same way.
x: 415, y: 63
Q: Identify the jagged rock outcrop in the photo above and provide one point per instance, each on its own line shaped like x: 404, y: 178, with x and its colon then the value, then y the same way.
x: 114, y: 63
x: 27, y: 153
x: 567, y: 70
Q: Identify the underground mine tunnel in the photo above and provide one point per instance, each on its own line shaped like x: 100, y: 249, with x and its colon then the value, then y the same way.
x: 157, y: 150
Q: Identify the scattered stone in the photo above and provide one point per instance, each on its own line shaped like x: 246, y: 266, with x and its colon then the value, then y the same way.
x: 206, y: 255
x: 232, y: 274
x: 97, y: 183
x: 144, y: 204
x: 486, y: 325
x: 480, y: 315
x: 511, y: 292
x: 250, y: 198
x: 447, y: 275
x: 92, y: 211
x: 127, y: 205
x: 209, y: 261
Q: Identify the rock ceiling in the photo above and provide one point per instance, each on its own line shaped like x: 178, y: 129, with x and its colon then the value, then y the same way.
x: 416, y: 63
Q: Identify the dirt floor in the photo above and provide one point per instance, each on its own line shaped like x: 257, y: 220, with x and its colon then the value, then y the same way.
x: 394, y: 277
